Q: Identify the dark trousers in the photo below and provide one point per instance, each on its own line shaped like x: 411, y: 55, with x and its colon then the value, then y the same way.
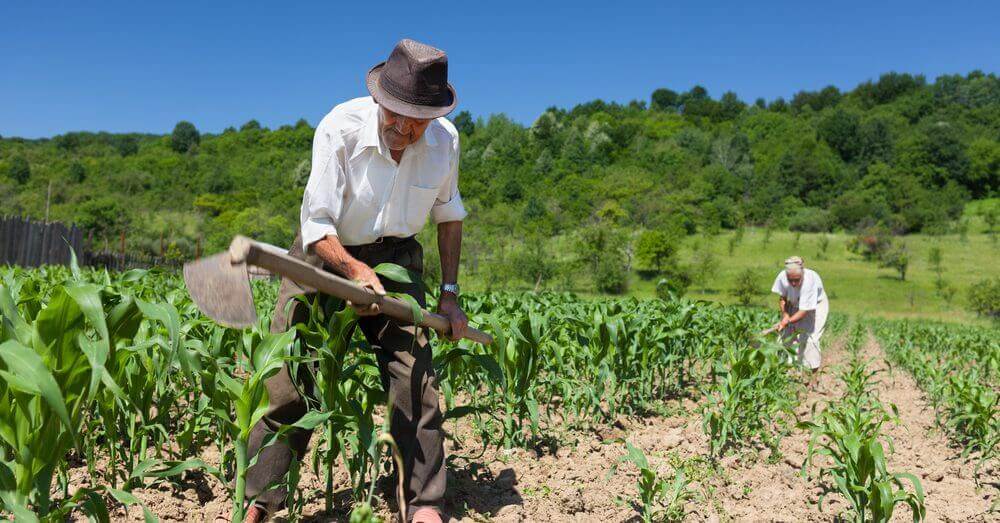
x: 407, y: 376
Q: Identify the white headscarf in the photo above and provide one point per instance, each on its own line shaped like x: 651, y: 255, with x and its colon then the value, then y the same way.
x: 794, y: 265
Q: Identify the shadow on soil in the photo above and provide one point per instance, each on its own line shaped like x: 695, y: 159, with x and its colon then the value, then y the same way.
x: 474, y: 488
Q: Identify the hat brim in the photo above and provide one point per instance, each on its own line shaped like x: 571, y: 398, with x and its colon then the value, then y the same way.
x: 424, y: 112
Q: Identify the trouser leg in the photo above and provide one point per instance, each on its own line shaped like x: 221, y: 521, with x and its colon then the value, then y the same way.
x: 406, y: 365
x: 286, y: 406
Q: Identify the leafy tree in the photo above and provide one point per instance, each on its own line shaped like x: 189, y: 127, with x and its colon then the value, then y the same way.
x: 252, y: 125
x: 746, y: 287
x: 984, y: 298
x: 185, y: 137
x: 656, y: 249
x: 77, y: 172
x: 704, y: 266
x: 664, y: 100
x: 19, y: 169
x: 840, y: 130
x: 104, y: 216
x: 464, y: 123
x: 127, y: 145
x: 898, y: 258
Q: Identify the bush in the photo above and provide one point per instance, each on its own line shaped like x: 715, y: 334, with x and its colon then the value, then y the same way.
x: 871, y: 243
x: 611, y: 276
x: 746, y: 287
x: 811, y: 219
x: 984, y: 298
x: 674, y: 284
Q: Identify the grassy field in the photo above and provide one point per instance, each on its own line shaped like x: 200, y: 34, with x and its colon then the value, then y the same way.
x: 854, y: 285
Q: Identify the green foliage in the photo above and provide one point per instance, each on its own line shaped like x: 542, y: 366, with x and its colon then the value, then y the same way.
x: 660, y: 500
x: 897, y: 258
x: 746, y: 287
x: 18, y: 169
x: 896, y: 151
x: 849, y: 433
x: 185, y: 137
x: 984, y: 298
x: 656, y: 249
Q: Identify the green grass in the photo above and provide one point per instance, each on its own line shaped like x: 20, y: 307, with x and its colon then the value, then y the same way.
x: 854, y: 285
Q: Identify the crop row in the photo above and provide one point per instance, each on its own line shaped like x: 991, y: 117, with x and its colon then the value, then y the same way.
x: 959, y: 370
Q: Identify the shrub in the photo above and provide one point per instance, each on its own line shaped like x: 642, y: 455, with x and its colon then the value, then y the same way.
x: 611, y: 276
x: 871, y: 243
x: 811, y: 219
x: 746, y: 287
x: 984, y: 298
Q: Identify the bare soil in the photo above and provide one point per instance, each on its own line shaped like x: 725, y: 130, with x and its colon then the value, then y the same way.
x: 575, y: 480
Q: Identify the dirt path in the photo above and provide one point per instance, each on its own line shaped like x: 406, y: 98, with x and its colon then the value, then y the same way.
x: 922, y: 449
x: 574, y: 482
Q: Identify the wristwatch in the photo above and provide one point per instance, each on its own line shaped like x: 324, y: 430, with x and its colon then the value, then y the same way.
x: 450, y: 287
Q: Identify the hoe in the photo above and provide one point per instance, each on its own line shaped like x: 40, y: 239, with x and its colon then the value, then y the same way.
x: 220, y: 286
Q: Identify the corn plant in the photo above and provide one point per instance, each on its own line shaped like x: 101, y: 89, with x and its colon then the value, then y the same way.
x: 751, y: 399
x: 52, y: 367
x: 849, y: 433
x: 659, y: 499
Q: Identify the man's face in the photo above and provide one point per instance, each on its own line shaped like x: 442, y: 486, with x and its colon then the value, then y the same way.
x: 794, y: 279
x: 399, y: 131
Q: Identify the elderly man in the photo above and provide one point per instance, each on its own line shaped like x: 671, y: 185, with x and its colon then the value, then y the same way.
x: 804, y: 307
x: 380, y: 166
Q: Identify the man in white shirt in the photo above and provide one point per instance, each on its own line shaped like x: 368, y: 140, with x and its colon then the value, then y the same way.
x: 804, y: 307
x: 380, y: 166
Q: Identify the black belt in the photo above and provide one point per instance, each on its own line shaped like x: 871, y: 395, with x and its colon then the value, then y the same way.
x: 382, y: 243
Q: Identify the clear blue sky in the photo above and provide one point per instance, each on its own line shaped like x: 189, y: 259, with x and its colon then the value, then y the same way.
x: 143, y: 66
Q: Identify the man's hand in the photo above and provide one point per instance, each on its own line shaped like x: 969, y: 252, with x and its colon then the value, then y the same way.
x: 363, y: 275
x: 448, y: 307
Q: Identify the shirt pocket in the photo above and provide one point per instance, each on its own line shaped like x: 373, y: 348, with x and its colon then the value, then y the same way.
x: 418, y: 205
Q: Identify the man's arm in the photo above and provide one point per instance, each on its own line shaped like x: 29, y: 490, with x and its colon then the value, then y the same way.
x: 333, y: 253
x: 450, y: 248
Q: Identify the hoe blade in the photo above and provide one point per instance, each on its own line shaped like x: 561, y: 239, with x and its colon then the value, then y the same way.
x: 221, y: 289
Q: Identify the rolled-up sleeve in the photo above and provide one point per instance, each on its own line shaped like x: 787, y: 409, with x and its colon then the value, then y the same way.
x: 324, y: 194
x: 449, y: 207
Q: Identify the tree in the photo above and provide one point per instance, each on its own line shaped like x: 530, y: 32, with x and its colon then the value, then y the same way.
x: 656, y: 249
x: 897, y: 258
x: 664, y: 100
x: 19, y: 169
x: 704, y: 265
x: 77, y: 172
x: 464, y: 123
x: 185, y: 137
x: 104, y: 216
x: 252, y: 125
x: 984, y: 298
x: 746, y: 287
x: 840, y: 130
x: 127, y: 145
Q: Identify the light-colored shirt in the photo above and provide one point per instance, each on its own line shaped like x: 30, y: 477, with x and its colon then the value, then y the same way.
x: 357, y: 192
x: 807, y: 296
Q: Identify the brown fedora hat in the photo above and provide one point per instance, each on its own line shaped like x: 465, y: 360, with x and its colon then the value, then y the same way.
x: 413, y: 81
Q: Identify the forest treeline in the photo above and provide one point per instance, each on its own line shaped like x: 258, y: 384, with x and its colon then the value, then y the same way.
x: 899, y: 151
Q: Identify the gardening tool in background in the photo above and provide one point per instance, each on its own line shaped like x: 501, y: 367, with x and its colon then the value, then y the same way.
x: 220, y: 286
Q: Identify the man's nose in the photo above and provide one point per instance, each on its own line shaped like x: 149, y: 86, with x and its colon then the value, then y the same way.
x: 402, y: 125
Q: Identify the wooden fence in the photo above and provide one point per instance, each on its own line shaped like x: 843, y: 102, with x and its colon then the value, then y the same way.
x: 31, y: 244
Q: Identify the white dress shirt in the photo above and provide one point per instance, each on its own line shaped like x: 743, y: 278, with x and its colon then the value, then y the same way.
x: 357, y: 192
x: 807, y: 296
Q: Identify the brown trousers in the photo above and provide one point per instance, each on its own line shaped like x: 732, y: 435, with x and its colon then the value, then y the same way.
x: 407, y: 376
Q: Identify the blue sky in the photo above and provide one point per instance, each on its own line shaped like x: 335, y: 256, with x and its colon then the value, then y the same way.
x: 143, y: 66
